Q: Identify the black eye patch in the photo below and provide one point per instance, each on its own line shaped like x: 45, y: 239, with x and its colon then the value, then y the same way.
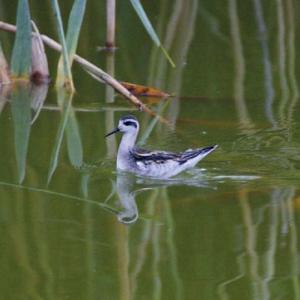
x: 130, y: 123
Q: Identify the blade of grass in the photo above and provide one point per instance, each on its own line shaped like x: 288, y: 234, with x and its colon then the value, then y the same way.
x: 21, y: 115
x: 68, y: 80
x: 65, y: 101
x: 149, y: 28
x: 74, y: 26
x: 106, y: 207
x: 21, y: 55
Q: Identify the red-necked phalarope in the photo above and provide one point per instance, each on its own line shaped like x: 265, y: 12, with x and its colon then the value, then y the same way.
x: 152, y: 163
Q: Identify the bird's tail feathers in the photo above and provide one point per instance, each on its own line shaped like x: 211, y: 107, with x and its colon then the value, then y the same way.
x: 201, y: 152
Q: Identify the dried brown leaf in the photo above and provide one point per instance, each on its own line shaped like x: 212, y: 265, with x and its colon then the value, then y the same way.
x: 141, y: 90
x: 39, y: 62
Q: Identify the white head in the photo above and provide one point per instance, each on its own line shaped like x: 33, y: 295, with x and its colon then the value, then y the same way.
x: 128, y: 125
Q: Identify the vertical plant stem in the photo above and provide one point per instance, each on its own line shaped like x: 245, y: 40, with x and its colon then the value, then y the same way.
x: 110, y: 23
x: 111, y: 144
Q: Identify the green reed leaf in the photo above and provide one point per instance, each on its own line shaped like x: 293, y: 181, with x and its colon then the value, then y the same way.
x: 148, y: 26
x: 21, y: 55
x: 74, y: 27
x: 67, y: 74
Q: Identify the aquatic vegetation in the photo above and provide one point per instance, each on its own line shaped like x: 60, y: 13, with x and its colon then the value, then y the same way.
x: 148, y: 26
x: 141, y: 90
x: 70, y: 41
x: 65, y: 73
x: 39, y: 61
x: 28, y: 52
x: 21, y: 115
x: 21, y: 55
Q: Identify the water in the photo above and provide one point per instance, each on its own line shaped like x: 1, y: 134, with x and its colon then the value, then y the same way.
x: 74, y: 228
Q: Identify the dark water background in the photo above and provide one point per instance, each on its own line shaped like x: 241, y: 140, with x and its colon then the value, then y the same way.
x: 228, y: 229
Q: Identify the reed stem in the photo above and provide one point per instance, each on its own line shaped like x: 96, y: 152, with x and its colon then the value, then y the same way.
x: 110, y: 23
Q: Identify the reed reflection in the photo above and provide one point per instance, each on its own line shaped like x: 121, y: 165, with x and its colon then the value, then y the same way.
x: 111, y: 143
x: 68, y: 123
x: 25, y: 98
x: 133, y: 253
x: 260, y: 261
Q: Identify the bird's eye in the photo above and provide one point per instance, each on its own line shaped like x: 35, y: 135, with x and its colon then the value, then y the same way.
x: 130, y: 123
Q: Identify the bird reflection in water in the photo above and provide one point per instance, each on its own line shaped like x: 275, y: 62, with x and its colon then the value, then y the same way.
x: 126, y: 193
x: 128, y: 186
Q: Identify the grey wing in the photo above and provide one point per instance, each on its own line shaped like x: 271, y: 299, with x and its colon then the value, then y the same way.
x: 154, y: 156
x: 148, y: 157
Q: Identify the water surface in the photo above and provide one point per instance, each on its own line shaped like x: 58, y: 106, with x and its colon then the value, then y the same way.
x: 74, y: 228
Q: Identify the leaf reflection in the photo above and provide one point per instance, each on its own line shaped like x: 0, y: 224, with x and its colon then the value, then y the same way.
x: 68, y: 122
x: 23, y: 98
x: 21, y: 115
x: 64, y: 100
x: 74, y: 140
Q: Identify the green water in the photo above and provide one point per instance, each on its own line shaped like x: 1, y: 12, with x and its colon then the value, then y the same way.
x: 227, y: 229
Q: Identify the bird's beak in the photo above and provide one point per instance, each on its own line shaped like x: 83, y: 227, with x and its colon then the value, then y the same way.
x: 112, y: 132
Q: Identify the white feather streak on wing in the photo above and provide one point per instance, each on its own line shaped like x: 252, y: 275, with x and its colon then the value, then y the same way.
x: 155, y: 156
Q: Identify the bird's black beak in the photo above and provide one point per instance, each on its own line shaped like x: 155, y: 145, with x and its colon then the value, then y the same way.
x: 112, y: 132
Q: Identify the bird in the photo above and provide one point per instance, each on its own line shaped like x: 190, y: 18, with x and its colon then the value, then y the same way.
x: 158, y: 164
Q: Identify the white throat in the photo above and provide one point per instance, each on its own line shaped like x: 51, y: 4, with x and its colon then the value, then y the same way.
x: 128, y: 141
x: 126, y: 145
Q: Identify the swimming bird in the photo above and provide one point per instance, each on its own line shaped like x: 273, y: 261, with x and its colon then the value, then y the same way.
x: 160, y: 164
